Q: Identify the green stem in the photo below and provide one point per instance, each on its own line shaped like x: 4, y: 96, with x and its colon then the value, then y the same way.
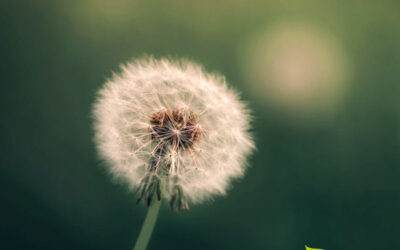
x: 148, y: 225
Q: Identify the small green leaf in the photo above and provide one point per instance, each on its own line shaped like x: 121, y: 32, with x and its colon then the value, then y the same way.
x: 309, y: 248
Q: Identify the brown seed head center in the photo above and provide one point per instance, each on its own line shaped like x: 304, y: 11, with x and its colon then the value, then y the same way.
x: 178, y: 128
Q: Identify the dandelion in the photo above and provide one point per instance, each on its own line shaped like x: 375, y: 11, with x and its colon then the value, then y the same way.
x: 171, y: 131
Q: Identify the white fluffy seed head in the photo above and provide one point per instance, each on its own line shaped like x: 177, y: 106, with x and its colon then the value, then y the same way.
x: 202, y: 110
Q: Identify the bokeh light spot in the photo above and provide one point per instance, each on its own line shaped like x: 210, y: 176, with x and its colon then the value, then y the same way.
x: 296, y: 67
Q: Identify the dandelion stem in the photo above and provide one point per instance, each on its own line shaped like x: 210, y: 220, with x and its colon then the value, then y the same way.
x: 148, y: 225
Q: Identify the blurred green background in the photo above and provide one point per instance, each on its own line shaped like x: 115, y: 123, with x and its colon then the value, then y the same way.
x: 326, y: 177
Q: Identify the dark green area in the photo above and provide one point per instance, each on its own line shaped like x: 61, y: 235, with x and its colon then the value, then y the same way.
x: 331, y: 183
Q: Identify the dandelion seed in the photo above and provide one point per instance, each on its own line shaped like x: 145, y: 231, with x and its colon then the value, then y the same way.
x: 170, y: 130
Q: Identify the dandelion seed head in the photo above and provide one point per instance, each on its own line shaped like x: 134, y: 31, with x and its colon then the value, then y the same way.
x: 170, y: 121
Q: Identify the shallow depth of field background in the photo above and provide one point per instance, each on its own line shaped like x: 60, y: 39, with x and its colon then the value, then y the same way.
x: 322, y: 79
